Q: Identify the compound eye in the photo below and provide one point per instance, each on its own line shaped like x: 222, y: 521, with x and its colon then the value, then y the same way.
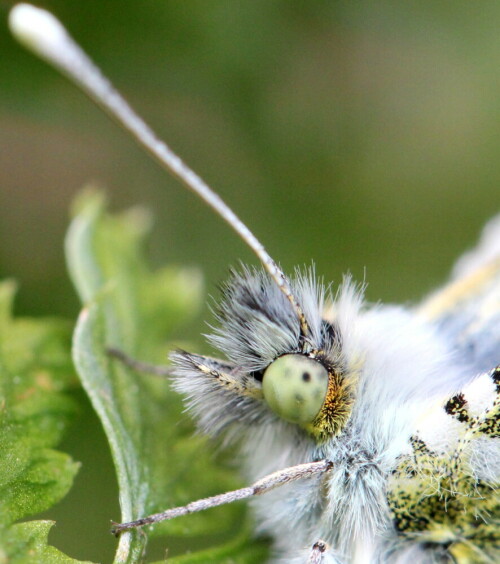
x: 295, y: 387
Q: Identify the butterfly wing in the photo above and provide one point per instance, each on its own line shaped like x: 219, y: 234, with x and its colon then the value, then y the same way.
x: 444, y: 492
x: 467, y: 309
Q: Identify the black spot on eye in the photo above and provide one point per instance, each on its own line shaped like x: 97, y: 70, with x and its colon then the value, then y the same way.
x: 306, y: 377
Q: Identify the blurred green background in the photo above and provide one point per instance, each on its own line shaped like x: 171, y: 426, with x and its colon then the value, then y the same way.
x: 363, y: 136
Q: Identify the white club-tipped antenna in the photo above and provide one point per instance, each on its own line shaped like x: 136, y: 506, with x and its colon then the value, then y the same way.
x: 43, y: 34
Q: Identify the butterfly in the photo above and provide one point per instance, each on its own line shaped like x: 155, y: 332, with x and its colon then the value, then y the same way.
x: 370, y: 432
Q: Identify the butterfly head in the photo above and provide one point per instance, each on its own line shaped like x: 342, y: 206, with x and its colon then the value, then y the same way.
x: 273, y: 371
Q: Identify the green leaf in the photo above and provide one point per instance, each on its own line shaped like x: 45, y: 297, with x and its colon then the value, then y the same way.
x: 35, y: 371
x: 27, y: 543
x: 159, y: 463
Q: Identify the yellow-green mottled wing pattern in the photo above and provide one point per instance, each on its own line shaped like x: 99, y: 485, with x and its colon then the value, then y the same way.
x: 445, y: 491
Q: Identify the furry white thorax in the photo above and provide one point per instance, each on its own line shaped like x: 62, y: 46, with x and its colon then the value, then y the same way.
x: 403, y: 363
x: 402, y: 366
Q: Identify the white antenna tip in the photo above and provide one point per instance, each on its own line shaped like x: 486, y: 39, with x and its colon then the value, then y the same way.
x: 37, y: 29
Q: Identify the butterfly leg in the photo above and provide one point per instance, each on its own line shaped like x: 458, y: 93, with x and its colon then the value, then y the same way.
x: 138, y: 365
x: 265, y: 484
x: 317, y: 552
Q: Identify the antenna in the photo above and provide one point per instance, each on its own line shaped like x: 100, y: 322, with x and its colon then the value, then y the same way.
x: 42, y: 33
